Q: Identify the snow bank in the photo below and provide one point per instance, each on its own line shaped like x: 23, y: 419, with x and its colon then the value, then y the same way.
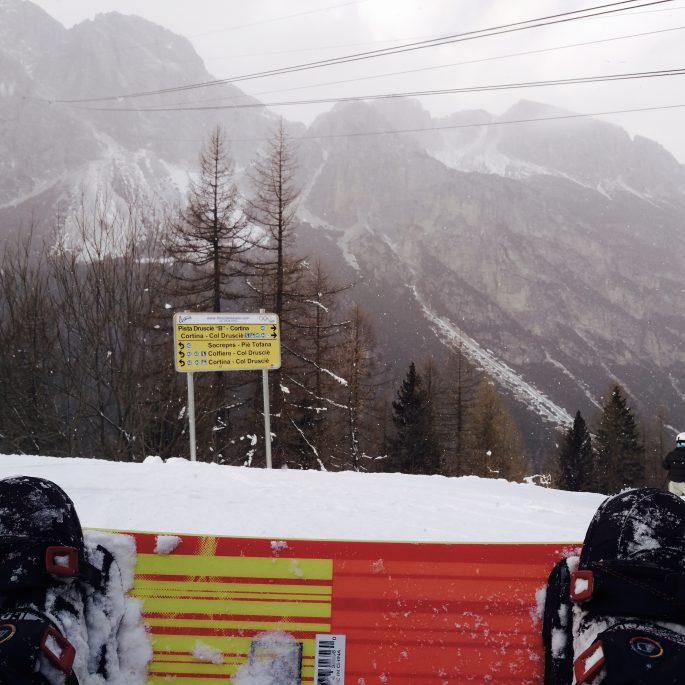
x: 178, y: 496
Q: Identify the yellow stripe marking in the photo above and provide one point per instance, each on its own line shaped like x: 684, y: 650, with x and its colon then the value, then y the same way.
x: 194, y: 623
x: 145, y: 585
x: 234, y: 567
x: 204, y: 597
x: 155, y: 605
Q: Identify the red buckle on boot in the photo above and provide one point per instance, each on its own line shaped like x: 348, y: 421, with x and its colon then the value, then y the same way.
x: 582, y: 586
x: 59, y: 651
x: 61, y: 561
x: 588, y: 664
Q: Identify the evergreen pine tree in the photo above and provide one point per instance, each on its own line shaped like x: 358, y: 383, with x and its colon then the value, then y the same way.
x: 620, y: 455
x: 575, y: 457
x: 414, y: 448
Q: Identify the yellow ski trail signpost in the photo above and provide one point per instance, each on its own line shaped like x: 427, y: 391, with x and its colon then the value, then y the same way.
x: 214, y: 341
x: 226, y: 342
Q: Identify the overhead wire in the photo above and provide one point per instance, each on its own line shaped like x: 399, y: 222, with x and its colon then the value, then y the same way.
x: 319, y: 48
x: 662, y: 9
x: 479, y: 60
x: 442, y: 40
x: 403, y: 72
x: 446, y: 127
x: 486, y: 124
x: 422, y: 93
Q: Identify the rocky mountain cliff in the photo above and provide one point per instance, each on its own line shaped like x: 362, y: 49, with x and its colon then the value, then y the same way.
x: 550, y: 250
x: 566, y: 272
x: 55, y: 148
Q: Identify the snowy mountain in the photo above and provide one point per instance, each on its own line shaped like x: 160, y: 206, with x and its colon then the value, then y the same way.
x: 54, y: 149
x: 589, y: 152
x: 550, y: 250
x: 564, y: 273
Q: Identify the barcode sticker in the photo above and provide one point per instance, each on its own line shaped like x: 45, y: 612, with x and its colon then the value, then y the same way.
x: 329, y: 663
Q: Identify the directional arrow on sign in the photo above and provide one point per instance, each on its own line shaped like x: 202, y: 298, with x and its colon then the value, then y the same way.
x: 273, y: 328
x: 273, y: 335
x: 181, y: 345
x: 181, y: 362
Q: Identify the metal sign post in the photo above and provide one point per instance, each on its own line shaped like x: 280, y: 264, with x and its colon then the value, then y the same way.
x: 267, y: 417
x: 227, y: 342
x: 267, y: 414
x: 191, y: 416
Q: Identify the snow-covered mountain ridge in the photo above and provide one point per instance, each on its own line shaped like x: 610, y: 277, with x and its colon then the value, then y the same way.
x: 546, y: 141
x: 56, y: 150
x: 555, y: 246
x: 566, y: 283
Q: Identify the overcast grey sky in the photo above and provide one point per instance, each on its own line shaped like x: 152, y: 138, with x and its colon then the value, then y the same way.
x: 235, y: 37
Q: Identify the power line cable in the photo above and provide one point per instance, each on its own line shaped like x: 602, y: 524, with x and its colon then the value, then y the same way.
x: 663, y: 9
x: 455, y: 64
x: 443, y: 40
x: 430, y: 68
x: 224, y: 57
x: 317, y: 48
x: 419, y: 93
x: 359, y: 134
x: 429, y: 129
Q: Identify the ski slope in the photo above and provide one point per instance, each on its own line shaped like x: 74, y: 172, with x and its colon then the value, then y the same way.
x: 178, y: 496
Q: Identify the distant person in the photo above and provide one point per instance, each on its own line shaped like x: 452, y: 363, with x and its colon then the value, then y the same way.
x: 674, y: 463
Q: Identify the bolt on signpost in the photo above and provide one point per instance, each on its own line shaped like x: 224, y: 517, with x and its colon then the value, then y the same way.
x: 215, y: 341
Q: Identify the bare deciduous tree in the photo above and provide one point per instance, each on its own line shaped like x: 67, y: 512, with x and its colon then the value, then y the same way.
x: 272, y: 207
x: 362, y: 368
x: 208, y: 236
x: 206, y: 243
x: 460, y: 381
x: 116, y: 386
x: 29, y: 416
x: 493, y: 447
x: 312, y: 370
x: 276, y: 276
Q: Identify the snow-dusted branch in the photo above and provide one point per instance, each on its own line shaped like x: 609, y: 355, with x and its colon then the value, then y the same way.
x: 316, y: 397
x: 334, y: 376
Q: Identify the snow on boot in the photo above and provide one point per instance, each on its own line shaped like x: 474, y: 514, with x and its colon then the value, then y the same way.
x: 616, y: 614
x: 63, y: 593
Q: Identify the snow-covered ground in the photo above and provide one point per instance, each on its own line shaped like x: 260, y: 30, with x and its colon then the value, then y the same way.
x: 178, y: 496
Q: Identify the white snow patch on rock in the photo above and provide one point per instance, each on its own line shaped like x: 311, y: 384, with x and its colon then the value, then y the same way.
x: 499, y: 370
